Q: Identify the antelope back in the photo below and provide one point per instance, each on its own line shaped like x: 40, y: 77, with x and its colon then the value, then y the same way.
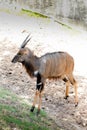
x: 56, y: 64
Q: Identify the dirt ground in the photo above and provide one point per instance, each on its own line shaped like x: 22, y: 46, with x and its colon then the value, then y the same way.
x: 47, y: 36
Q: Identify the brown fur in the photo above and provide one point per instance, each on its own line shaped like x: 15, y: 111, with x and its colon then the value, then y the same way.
x: 50, y: 66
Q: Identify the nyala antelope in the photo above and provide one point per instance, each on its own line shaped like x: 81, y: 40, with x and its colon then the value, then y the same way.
x: 49, y: 66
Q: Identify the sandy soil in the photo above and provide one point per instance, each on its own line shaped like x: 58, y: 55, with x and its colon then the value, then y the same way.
x: 47, y: 36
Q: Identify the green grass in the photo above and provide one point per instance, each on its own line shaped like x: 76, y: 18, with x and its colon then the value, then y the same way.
x: 24, y: 12
x: 33, y: 14
x: 15, y: 113
x: 30, y: 13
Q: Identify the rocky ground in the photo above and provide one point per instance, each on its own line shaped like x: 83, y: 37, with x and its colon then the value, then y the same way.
x: 47, y: 36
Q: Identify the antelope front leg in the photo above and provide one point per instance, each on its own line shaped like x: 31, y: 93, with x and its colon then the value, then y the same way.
x: 39, y: 103
x: 35, y: 100
x: 38, y: 84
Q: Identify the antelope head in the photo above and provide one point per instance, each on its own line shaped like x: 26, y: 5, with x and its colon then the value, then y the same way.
x: 23, y: 53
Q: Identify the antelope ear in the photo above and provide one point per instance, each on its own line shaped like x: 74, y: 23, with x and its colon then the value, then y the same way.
x: 27, y: 39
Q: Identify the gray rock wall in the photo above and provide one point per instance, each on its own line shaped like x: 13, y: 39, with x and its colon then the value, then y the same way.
x: 58, y: 9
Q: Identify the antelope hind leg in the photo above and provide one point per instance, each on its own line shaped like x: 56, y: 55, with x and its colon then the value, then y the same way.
x: 74, y: 83
x: 76, y: 94
x: 67, y: 90
x: 67, y: 87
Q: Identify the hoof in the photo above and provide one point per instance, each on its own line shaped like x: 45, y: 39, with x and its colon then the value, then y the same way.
x: 32, y: 108
x: 66, y: 97
x: 38, y: 112
x: 76, y: 104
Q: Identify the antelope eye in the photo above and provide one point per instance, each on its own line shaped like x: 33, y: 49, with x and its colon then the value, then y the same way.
x: 19, y: 54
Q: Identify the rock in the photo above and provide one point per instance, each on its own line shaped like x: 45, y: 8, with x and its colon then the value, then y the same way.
x: 84, y: 122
